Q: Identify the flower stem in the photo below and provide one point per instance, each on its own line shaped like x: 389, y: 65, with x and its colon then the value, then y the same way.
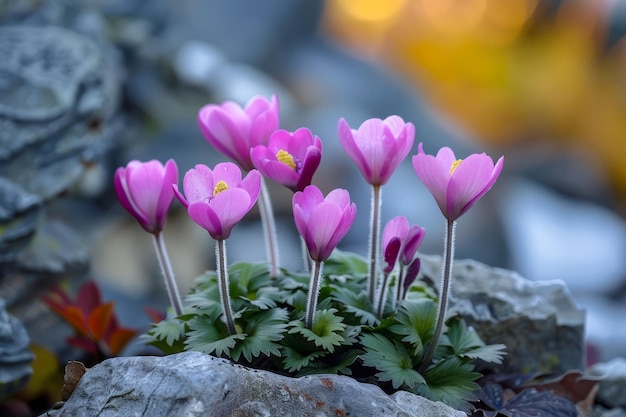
x: 400, y: 286
x: 314, y: 286
x: 374, y: 226
x: 305, y: 255
x: 448, y: 257
x: 222, y: 278
x: 168, y: 274
x: 382, y: 295
x: 269, y: 229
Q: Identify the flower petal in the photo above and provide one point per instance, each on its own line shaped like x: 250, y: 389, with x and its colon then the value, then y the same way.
x: 435, y: 177
x: 412, y: 241
x: 468, y: 183
x: 205, y: 217
x: 198, y: 184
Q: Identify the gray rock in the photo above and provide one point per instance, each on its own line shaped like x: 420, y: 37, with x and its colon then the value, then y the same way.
x: 612, y: 389
x: 539, y: 322
x: 19, y: 211
x: 58, y: 96
x: 15, y: 356
x: 195, y: 384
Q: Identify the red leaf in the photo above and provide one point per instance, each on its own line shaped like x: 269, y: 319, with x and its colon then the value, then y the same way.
x: 119, y: 339
x: 84, y: 344
x: 88, y: 297
x: 75, y: 317
x: 100, y: 320
x: 155, y: 315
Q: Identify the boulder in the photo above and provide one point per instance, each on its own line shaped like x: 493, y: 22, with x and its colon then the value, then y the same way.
x: 195, y: 384
x: 612, y: 388
x: 538, y: 321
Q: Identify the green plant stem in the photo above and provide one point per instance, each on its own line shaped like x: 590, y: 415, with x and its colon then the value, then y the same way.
x: 373, y: 242
x: 382, y: 295
x: 448, y: 257
x: 168, y: 274
x: 222, y: 278
x: 269, y: 229
x: 400, y: 286
x: 314, y: 287
x: 305, y: 255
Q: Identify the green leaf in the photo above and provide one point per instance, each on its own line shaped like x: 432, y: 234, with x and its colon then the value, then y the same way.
x: 262, y: 329
x: 450, y: 381
x: 345, y: 263
x: 392, y: 360
x: 169, y: 331
x: 210, y: 336
x: 167, y: 335
x: 416, y: 322
x: 465, y: 342
x: 326, y: 331
x: 335, y: 364
x: 293, y: 360
x: 357, y: 304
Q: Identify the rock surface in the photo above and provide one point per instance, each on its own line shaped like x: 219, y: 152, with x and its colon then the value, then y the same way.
x: 194, y: 384
x: 539, y: 322
x: 15, y: 356
x: 612, y: 389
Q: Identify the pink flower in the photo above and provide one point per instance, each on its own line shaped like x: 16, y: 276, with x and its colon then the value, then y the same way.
x: 322, y: 222
x: 378, y: 146
x: 400, y: 239
x: 456, y: 184
x: 145, y: 190
x: 217, y: 199
x: 233, y: 130
x: 290, y: 158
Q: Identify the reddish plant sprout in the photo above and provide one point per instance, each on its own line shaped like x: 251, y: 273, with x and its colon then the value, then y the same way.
x: 97, y: 328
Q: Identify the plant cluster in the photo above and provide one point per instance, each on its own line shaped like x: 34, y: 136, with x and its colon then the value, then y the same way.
x: 342, y: 313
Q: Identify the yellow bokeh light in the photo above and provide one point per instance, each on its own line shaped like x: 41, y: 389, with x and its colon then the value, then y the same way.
x: 371, y: 10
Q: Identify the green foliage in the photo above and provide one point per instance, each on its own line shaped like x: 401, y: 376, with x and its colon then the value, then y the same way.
x: 393, y: 361
x: 346, y: 337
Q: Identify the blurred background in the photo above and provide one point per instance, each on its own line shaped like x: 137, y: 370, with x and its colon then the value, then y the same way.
x: 542, y: 82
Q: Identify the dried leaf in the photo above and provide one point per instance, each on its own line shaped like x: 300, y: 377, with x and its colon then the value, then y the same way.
x: 74, y: 371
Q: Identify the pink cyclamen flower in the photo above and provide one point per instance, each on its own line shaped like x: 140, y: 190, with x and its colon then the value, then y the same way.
x: 234, y: 130
x: 456, y: 184
x: 289, y: 159
x: 400, y: 239
x: 218, y: 199
x: 145, y: 190
x: 322, y: 222
x: 378, y: 146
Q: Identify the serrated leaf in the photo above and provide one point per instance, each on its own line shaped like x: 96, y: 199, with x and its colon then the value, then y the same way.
x: 345, y: 263
x: 210, y: 336
x: 416, y: 320
x: 465, y: 342
x: 168, y: 330
x: 392, y: 360
x: 294, y: 360
x: 357, y: 304
x: 533, y: 403
x: 338, y: 365
x: 452, y: 382
x: 326, y: 331
x: 262, y: 329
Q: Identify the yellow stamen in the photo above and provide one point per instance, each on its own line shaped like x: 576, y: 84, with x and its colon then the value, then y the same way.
x: 219, y: 187
x: 286, y: 158
x: 455, y: 165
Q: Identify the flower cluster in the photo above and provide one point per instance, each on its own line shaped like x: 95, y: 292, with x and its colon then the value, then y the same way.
x: 217, y: 199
